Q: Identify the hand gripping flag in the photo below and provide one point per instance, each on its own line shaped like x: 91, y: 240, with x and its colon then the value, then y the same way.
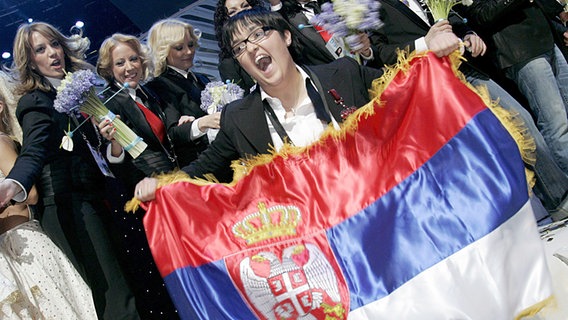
x: 417, y: 209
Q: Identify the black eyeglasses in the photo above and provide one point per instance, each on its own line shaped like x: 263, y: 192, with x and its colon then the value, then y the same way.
x: 254, y: 37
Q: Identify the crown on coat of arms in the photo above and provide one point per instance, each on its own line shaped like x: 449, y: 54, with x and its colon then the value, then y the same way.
x: 268, y: 223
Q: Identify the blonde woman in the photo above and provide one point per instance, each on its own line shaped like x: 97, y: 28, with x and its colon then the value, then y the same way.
x: 123, y: 60
x: 173, y: 44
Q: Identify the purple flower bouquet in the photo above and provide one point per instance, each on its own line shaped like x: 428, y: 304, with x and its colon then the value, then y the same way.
x: 77, y: 94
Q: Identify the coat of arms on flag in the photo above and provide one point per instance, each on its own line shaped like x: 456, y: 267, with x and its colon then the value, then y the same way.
x: 291, y: 279
x: 417, y: 209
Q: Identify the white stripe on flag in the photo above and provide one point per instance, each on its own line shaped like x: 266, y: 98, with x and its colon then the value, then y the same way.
x: 496, y: 277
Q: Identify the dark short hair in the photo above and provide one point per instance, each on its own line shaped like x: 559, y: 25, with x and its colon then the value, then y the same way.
x: 263, y: 18
x: 221, y: 16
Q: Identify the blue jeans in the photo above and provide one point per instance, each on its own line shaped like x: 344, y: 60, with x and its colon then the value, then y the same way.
x: 544, y: 82
x: 551, y: 183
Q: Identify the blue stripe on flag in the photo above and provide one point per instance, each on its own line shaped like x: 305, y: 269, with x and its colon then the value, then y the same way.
x: 466, y: 190
x: 220, y: 292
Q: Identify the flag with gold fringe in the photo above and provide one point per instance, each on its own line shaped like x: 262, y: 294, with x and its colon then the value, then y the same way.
x: 417, y: 209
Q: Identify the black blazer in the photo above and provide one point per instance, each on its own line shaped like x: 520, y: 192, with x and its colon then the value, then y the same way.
x: 517, y: 30
x: 158, y: 157
x: 230, y: 69
x: 174, y: 90
x: 57, y: 172
x: 313, y: 45
x: 244, y: 128
x: 402, y: 27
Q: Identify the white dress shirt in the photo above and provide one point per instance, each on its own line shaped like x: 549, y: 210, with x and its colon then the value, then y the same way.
x: 420, y: 43
x: 302, y: 126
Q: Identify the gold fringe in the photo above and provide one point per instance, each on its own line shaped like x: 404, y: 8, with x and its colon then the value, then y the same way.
x: 510, y: 119
x: 242, y: 167
x: 536, y: 308
x: 163, y: 179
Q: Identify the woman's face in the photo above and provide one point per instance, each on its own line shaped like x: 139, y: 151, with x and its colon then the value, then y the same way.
x: 267, y: 59
x: 236, y: 6
x: 181, y: 54
x: 48, y: 58
x: 126, y: 65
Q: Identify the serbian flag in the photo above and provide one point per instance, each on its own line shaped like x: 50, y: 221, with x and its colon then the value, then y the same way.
x: 418, y: 209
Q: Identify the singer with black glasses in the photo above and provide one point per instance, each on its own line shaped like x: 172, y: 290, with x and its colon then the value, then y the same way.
x: 291, y: 102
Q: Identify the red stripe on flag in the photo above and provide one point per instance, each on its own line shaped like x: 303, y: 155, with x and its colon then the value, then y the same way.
x: 190, y: 225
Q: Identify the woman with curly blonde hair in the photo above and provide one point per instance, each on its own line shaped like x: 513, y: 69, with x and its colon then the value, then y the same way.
x: 124, y: 63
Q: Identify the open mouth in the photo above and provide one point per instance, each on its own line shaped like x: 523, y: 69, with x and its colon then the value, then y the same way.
x: 56, y: 63
x: 263, y: 62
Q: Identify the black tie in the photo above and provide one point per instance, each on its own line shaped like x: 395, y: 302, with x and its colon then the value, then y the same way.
x: 319, y: 107
x: 314, y: 6
x: 194, y: 91
x: 140, y: 94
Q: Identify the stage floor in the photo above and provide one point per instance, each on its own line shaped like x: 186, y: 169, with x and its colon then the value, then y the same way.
x: 555, y: 240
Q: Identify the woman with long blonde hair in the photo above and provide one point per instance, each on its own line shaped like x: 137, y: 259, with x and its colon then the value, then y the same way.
x: 70, y: 181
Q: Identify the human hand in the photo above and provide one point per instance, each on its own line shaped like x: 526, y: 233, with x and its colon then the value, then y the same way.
x: 210, y: 121
x: 106, y: 128
x: 185, y: 119
x: 364, y: 45
x: 565, y: 34
x: 475, y: 45
x: 145, y: 190
x: 563, y: 16
x: 8, y: 189
x: 441, y: 40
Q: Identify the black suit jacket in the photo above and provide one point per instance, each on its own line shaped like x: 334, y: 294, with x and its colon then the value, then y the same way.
x: 158, y: 156
x: 402, y: 27
x: 174, y: 90
x: 230, y: 69
x: 58, y: 173
x: 244, y: 127
x: 313, y: 45
x: 519, y: 30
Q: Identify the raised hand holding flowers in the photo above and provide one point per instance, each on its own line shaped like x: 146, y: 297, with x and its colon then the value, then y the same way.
x: 349, y: 19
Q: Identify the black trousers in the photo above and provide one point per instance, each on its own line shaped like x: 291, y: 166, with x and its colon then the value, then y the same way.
x: 81, y: 229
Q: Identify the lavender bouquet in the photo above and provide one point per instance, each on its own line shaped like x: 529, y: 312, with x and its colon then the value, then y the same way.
x: 216, y: 96
x: 77, y: 94
x: 348, y: 18
x: 440, y: 9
